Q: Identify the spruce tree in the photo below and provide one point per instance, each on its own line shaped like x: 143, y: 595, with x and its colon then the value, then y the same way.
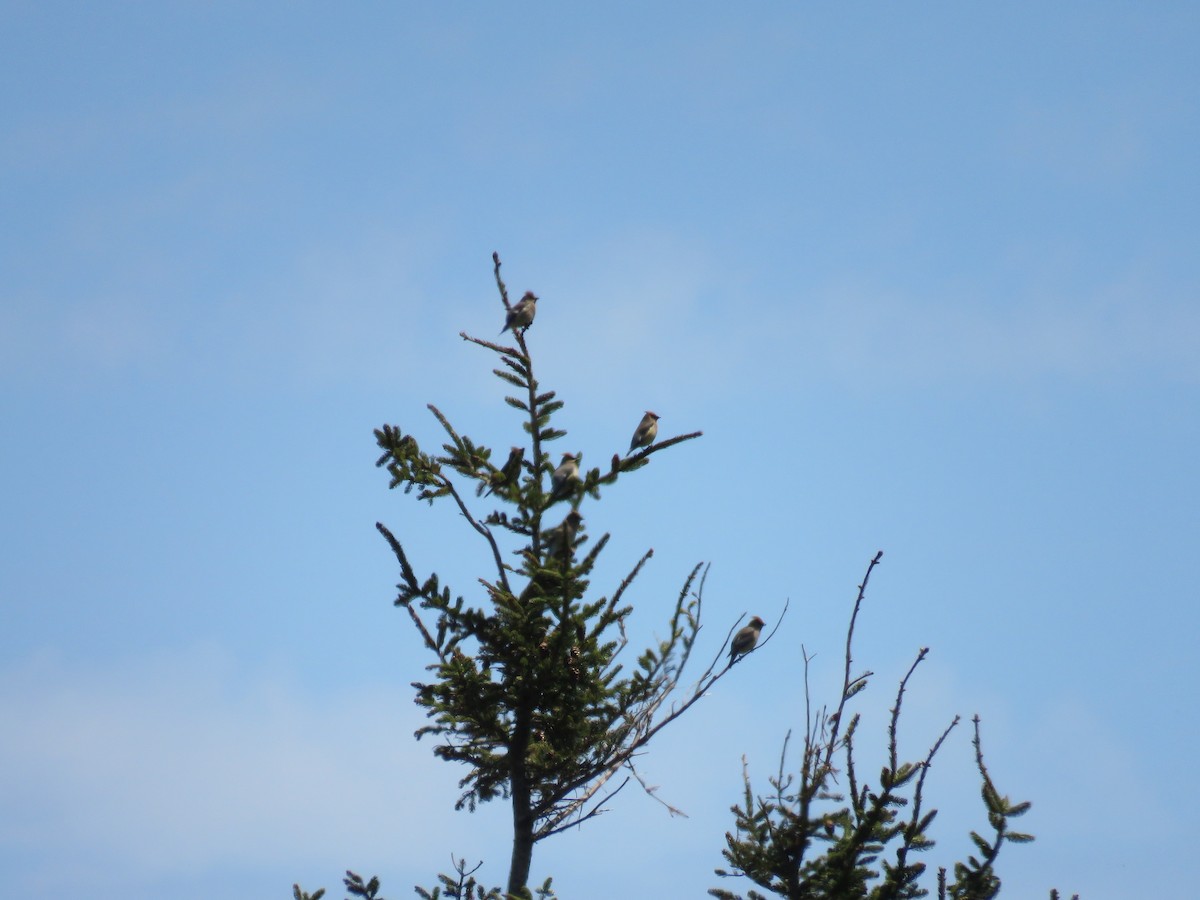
x: 527, y: 687
x: 824, y: 833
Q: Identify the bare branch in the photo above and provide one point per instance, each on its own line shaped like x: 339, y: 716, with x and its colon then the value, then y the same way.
x: 596, y: 810
x: 846, y: 683
x: 653, y: 792
x: 762, y: 642
x: 892, y: 754
x: 501, y: 569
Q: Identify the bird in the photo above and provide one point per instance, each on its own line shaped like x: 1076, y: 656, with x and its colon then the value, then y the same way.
x: 560, y: 540
x: 521, y: 315
x: 647, y: 431
x: 744, y: 640
x: 507, y: 475
x: 561, y: 482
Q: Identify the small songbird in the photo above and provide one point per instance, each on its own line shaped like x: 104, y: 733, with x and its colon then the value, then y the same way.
x: 560, y: 540
x: 510, y: 471
x: 521, y: 315
x: 647, y: 431
x: 744, y: 640
x: 565, y: 477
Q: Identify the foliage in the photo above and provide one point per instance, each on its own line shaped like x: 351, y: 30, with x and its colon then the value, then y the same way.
x: 465, y: 887
x: 530, y: 688
x: 807, y: 839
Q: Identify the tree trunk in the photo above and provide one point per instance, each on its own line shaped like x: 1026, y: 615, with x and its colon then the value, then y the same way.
x: 522, y: 852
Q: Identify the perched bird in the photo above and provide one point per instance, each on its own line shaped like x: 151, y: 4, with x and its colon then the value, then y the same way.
x: 521, y: 315
x: 647, y: 431
x: 565, y: 477
x: 510, y: 470
x: 560, y: 540
x: 744, y: 640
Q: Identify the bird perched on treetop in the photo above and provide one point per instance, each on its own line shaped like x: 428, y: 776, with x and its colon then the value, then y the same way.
x: 511, y: 469
x: 562, y: 482
x: 744, y: 640
x: 647, y: 431
x: 560, y: 540
x: 521, y: 315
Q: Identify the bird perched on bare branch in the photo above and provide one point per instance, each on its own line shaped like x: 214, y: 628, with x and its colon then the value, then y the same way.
x: 565, y: 477
x: 744, y: 640
x: 560, y: 540
x: 646, y: 432
x: 521, y: 315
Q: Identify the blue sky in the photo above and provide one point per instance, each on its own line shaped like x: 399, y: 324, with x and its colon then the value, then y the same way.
x: 925, y: 277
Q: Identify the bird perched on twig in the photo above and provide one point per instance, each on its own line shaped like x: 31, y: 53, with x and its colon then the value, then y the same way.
x: 521, y: 315
x: 565, y: 477
x: 646, y: 432
x: 560, y: 540
x: 744, y: 640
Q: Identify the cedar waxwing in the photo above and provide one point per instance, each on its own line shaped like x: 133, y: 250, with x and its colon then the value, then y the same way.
x: 744, y: 640
x: 521, y: 315
x: 510, y: 471
x: 565, y: 477
x: 647, y: 431
x: 560, y: 540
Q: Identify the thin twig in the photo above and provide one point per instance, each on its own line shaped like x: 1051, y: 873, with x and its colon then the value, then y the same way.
x: 551, y: 827
x: 893, y: 759
x: 837, y: 716
x: 762, y: 642
x: 653, y: 791
x: 919, y: 790
x: 482, y: 529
